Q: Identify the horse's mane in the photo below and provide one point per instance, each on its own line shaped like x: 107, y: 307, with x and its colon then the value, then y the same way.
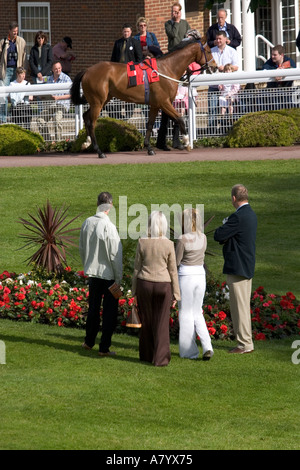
x: 183, y: 44
x: 180, y: 46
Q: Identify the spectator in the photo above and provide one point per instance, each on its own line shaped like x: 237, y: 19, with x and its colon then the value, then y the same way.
x: 41, y: 58
x: 228, y: 92
x: 190, y: 252
x: 20, y: 107
x: 222, y: 54
x: 100, y: 250
x: 63, y: 53
x: 238, y: 235
x: 127, y: 48
x: 55, y: 111
x: 149, y: 43
x: 154, y: 284
x: 150, y: 48
x: 279, y: 60
x: 12, y: 55
x: 233, y: 37
x: 176, y: 28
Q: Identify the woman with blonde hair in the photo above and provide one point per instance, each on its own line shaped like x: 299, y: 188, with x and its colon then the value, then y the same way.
x: 155, y: 287
x: 149, y: 42
x: 190, y: 252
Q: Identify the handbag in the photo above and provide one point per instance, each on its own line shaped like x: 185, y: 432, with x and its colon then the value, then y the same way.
x: 133, y: 320
x: 115, y: 290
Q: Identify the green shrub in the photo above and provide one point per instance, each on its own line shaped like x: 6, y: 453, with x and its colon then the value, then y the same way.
x: 14, y: 140
x: 263, y: 129
x: 293, y: 113
x: 112, y: 136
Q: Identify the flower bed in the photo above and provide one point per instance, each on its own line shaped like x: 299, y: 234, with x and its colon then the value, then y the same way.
x: 37, y: 298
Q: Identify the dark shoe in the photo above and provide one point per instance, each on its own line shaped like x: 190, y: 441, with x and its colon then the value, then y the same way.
x: 207, y: 355
x: 163, y: 147
x: 108, y: 353
x: 85, y: 346
x: 178, y: 145
x: 240, y: 351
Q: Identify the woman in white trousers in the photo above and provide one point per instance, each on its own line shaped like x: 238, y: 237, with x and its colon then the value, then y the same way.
x: 190, y: 251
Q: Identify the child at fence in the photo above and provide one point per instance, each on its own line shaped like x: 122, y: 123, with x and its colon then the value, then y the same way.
x: 228, y: 93
x: 21, y: 113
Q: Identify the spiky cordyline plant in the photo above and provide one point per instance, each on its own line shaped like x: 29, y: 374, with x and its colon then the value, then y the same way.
x: 48, y: 231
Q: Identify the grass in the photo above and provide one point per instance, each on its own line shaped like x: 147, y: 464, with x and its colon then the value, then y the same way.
x: 55, y: 395
x: 273, y: 188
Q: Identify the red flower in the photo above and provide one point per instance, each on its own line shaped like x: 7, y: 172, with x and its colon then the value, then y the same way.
x: 260, y: 337
x: 222, y: 315
x: 211, y: 331
x: 122, y: 302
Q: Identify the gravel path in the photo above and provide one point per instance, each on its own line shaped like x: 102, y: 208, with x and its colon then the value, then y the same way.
x: 204, y: 154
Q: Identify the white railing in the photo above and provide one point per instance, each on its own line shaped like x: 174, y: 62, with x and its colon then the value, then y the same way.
x: 268, y: 45
x: 197, y: 115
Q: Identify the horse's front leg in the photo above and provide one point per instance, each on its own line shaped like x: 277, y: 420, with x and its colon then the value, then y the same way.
x: 168, y: 109
x: 185, y: 136
x: 152, y: 116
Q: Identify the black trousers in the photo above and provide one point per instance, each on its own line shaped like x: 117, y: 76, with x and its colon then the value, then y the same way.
x: 98, y: 292
x: 163, y: 131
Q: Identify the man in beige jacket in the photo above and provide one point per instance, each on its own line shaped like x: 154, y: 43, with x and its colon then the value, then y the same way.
x: 12, y: 55
x: 100, y: 250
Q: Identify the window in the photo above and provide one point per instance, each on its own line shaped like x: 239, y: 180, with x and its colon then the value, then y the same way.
x: 33, y: 17
x: 191, y: 6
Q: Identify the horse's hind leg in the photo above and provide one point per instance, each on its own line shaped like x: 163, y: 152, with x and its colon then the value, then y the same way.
x: 152, y: 115
x: 90, y: 117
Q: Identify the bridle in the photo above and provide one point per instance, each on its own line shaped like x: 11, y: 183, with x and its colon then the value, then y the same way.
x: 186, y: 78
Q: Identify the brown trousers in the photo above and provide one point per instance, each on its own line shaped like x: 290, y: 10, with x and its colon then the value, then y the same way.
x: 154, y: 302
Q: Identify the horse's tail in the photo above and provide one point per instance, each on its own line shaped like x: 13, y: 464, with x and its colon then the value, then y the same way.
x: 76, y: 96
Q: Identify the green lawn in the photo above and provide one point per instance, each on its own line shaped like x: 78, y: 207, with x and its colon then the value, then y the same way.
x: 273, y: 188
x: 55, y: 395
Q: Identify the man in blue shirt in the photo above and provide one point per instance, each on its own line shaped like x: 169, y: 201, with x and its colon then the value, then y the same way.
x: 56, y: 110
x: 233, y: 36
x: 279, y: 60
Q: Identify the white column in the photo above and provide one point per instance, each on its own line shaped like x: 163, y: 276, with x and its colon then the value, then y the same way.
x: 236, y: 20
x: 248, y: 37
x: 182, y: 3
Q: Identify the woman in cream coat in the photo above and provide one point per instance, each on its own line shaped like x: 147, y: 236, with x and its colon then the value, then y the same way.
x: 190, y: 250
x: 155, y: 286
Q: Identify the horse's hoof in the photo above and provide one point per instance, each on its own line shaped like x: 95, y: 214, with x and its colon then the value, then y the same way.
x: 151, y: 152
x: 102, y: 155
x: 188, y: 148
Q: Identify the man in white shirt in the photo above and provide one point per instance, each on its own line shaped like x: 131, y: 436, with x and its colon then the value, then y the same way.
x: 222, y: 54
x: 100, y: 250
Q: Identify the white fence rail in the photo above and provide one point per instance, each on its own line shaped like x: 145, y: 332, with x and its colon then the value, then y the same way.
x: 202, y: 115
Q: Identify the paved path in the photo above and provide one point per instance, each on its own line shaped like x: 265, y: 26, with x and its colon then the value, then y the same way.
x: 204, y: 154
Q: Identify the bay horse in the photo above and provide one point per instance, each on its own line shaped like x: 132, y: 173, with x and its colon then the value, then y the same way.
x: 105, y: 80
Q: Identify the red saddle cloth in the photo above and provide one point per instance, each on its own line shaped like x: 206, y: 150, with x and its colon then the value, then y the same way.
x: 136, y: 72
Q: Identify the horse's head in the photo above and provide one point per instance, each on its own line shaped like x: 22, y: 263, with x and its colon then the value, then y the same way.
x: 205, y: 58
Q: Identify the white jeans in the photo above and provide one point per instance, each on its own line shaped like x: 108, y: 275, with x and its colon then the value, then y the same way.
x: 192, y: 282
